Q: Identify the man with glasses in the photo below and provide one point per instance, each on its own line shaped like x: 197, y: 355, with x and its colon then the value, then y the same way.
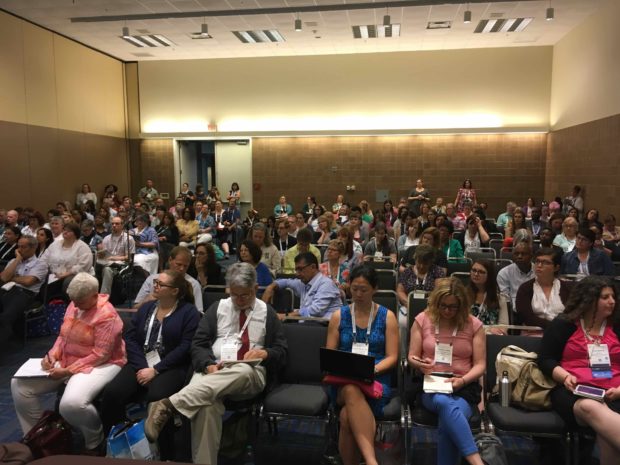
x: 584, y: 259
x: 235, y: 329
x: 318, y: 295
x: 113, y: 254
x: 180, y: 260
x: 22, y: 278
x: 512, y: 276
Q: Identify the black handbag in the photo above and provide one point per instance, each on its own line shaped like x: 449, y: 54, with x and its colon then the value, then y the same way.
x: 50, y: 436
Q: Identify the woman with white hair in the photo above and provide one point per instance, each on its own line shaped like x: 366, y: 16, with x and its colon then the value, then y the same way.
x: 88, y: 353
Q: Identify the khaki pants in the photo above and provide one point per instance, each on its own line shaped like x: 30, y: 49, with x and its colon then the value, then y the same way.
x: 202, y: 402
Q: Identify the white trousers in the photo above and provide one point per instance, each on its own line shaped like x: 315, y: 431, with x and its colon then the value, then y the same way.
x: 75, y: 406
x: 202, y: 401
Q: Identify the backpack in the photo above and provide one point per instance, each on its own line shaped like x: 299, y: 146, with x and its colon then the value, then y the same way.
x: 491, y: 449
x: 532, y: 390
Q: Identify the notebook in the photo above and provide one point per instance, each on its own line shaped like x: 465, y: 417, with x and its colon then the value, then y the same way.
x: 347, y: 364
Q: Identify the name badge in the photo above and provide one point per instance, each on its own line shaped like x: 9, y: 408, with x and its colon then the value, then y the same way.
x: 152, y: 358
x: 600, y: 363
x: 443, y: 354
x: 360, y: 348
x: 230, y: 347
x: 379, y: 255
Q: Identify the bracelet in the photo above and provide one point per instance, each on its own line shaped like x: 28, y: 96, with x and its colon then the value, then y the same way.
x: 565, y: 378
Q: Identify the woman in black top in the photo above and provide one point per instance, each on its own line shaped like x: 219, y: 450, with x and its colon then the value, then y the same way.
x: 206, y: 270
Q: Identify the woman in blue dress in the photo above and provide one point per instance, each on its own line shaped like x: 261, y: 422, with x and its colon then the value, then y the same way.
x: 349, y: 330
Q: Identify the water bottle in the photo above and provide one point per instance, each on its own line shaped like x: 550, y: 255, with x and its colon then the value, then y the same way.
x: 504, y: 390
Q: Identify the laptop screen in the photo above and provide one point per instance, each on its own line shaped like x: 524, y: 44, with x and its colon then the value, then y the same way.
x: 347, y: 364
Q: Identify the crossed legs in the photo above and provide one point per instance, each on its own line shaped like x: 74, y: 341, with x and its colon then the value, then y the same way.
x: 357, y: 427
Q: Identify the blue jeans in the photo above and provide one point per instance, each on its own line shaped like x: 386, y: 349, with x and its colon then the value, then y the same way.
x: 454, y: 438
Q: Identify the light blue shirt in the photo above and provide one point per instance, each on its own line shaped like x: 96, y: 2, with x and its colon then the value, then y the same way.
x: 319, y: 298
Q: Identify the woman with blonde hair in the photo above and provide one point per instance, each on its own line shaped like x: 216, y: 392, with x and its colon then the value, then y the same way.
x: 446, y: 338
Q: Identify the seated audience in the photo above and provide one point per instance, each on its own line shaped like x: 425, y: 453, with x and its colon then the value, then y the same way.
x: 337, y: 204
x: 318, y: 295
x: 504, y: 218
x: 410, y: 238
x: 188, y: 227
x: 439, y: 207
x: 335, y: 266
x: 313, y: 221
x: 460, y: 219
x: 510, y: 278
x: 367, y: 215
x: 375, y: 329
x: 309, y: 206
x: 87, y: 355
x: 611, y: 232
x: 258, y: 335
x: 232, y: 223
x: 515, y: 223
x: 283, y: 240
x: 475, y: 236
x: 250, y: 253
x: 422, y: 276
x: 398, y: 228
x: 325, y: 233
x: 541, y: 299
x: 528, y: 208
x: 359, y: 229
x: 381, y: 246
x: 21, y: 281
x: 390, y: 214
x: 65, y: 258
x: 207, y: 270
x: 85, y: 195
x: 556, y: 221
x: 115, y: 251
x: 426, y: 216
x: 592, y: 218
x: 486, y: 305
x: 35, y: 221
x: 535, y: 224
x: 429, y: 236
x: 450, y: 247
x: 179, y: 261
x: 44, y: 240
x: 9, y: 244
x: 282, y: 209
x: 297, y: 222
x: 206, y: 224
x: 89, y: 235
x: 147, y: 244
x: 585, y: 259
x: 304, y: 237
x: 353, y: 251
x: 568, y: 237
x: 168, y: 236
x: 590, y: 319
x: 447, y: 323
x: 270, y: 254
x: 158, y: 344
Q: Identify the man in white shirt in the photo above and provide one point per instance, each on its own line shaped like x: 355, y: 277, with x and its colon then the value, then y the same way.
x: 113, y: 252
x: 180, y: 260
x: 512, y: 276
x: 22, y: 278
x: 240, y: 327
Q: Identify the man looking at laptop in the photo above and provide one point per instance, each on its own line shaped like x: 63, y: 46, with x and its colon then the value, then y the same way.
x: 318, y: 295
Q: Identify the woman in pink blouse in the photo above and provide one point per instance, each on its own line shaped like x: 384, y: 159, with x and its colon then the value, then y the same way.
x: 88, y: 353
x: 589, y: 323
x: 446, y: 338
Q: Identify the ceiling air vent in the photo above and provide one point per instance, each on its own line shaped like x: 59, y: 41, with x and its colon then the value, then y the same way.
x: 149, y: 40
x: 439, y: 25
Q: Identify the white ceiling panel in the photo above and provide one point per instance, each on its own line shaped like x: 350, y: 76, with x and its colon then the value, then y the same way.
x: 334, y: 27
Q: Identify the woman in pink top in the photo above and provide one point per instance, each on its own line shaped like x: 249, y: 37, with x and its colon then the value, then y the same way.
x: 87, y: 354
x: 446, y: 338
x: 589, y: 321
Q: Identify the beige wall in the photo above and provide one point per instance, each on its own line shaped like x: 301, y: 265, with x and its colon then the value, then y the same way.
x: 47, y: 80
x: 383, y: 91
x: 62, y: 118
x: 586, y: 71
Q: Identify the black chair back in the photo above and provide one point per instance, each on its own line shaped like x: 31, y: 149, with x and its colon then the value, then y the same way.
x: 388, y: 299
x: 304, y: 341
x: 416, y: 306
x: 386, y: 280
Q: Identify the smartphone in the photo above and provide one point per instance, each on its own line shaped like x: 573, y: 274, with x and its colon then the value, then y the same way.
x: 443, y: 374
x: 590, y: 392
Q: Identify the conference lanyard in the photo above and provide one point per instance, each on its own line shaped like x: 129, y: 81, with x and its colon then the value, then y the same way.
x: 150, y: 328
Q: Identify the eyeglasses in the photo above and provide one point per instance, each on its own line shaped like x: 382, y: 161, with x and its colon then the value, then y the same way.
x: 543, y: 262
x: 453, y: 307
x: 478, y: 271
x: 158, y: 283
x: 299, y: 269
x: 583, y: 239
